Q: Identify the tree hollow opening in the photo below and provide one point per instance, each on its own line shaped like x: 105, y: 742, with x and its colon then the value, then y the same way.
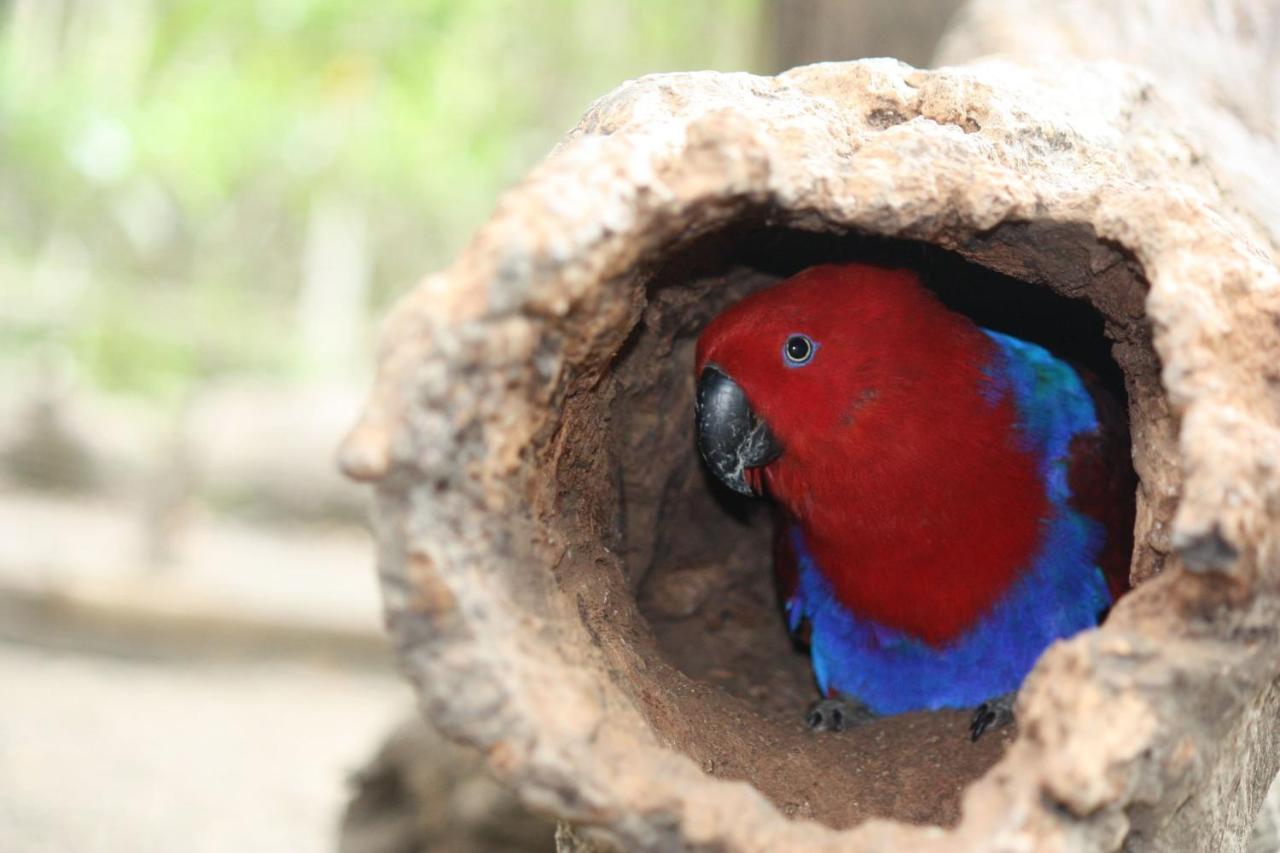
x: 710, y: 664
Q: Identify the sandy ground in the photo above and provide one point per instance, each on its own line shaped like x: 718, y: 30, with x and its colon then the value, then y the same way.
x: 189, y: 707
x: 290, y: 575
x: 103, y: 754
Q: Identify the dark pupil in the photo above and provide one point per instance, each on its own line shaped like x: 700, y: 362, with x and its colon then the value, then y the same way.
x: 797, y: 348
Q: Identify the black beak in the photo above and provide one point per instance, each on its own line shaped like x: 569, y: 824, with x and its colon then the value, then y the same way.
x: 731, y: 437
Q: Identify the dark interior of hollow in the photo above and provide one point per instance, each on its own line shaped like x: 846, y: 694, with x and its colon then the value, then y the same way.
x: 729, y: 686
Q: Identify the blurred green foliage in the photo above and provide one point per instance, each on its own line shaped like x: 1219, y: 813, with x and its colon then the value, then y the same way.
x: 162, y: 162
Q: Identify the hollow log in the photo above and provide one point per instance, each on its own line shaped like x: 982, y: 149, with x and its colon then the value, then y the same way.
x: 570, y: 594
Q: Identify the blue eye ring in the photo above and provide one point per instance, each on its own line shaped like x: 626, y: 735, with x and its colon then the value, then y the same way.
x: 798, y: 349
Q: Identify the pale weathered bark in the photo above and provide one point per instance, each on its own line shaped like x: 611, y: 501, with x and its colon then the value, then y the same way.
x: 570, y: 596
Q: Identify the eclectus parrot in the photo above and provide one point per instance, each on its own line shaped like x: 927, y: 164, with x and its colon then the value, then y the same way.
x: 951, y: 499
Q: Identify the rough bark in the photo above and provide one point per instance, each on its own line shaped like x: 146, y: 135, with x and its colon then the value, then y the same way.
x: 571, y: 596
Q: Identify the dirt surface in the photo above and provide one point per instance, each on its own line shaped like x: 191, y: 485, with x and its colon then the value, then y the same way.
x: 104, y: 755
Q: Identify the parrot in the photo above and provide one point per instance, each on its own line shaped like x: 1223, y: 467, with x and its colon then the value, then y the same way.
x: 950, y: 499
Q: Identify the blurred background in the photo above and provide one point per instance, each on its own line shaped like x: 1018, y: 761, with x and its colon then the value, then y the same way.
x: 205, y: 207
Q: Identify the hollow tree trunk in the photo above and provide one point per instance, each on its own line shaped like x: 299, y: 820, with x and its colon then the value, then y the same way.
x: 569, y: 595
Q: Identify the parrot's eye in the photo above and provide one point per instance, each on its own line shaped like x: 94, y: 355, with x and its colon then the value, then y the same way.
x: 798, y: 350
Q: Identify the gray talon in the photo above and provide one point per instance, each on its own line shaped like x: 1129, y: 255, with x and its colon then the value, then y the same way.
x: 992, y: 714
x: 836, y: 715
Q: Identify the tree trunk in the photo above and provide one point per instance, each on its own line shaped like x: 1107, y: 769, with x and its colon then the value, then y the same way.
x: 569, y: 595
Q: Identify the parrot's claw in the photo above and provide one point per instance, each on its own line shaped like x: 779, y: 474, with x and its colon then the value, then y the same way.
x: 836, y: 715
x: 992, y: 714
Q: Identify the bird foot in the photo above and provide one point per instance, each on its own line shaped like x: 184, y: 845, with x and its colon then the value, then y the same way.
x: 992, y: 714
x: 836, y: 715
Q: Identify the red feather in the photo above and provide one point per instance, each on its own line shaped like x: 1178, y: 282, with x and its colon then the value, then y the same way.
x: 926, y: 509
x: 1103, y: 483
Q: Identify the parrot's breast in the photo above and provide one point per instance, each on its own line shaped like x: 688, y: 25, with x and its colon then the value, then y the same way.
x: 1059, y: 591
